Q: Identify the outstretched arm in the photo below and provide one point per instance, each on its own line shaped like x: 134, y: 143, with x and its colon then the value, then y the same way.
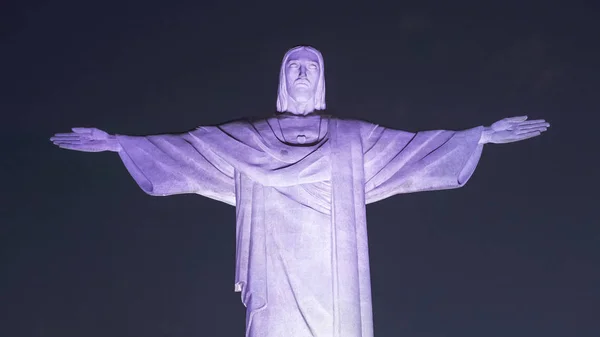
x: 162, y: 164
x: 402, y: 162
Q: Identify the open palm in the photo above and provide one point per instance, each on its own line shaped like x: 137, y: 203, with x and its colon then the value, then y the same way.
x: 514, y: 129
x: 86, y: 140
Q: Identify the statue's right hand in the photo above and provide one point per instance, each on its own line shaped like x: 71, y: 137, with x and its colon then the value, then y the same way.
x: 87, y: 140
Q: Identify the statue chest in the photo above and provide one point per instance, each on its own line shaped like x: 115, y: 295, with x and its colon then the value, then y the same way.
x: 302, y: 130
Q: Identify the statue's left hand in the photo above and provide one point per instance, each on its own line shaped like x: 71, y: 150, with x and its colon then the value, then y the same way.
x: 513, y: 129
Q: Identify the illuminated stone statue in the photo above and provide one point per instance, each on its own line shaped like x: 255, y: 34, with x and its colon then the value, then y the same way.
x: 300, y: 181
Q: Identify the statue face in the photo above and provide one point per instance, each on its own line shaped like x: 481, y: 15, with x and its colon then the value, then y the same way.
x: 302, y: 74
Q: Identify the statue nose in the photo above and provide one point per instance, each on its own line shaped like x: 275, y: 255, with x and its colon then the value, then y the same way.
x: 302, y: 72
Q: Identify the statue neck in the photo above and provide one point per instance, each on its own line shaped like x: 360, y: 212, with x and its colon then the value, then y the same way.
x: 299, y: 129
x: 302, y: 109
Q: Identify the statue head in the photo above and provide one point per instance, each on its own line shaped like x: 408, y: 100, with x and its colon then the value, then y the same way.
x: 301, y: 80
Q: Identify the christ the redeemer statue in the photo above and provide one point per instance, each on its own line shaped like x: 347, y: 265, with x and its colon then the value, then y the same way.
x: 299, y: 182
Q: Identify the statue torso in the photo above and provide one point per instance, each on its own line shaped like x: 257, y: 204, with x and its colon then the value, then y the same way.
x: 299, y: 130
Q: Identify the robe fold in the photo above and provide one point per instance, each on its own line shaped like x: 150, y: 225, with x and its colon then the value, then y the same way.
x: 302, y: 263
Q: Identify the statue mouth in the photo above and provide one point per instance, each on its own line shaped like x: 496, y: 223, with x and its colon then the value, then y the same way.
x: 302, y: 83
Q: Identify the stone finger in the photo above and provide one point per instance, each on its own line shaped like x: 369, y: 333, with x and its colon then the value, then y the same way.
x: 77, y: 147
x: 516, y: 119
x: 523, y: 132
x: 64, y: 138
x: 529, y: 135
x: 533, y: 126
x: 71, y: 134
x: 82, y: 130
x: 75, y: 141
x: 533, y: 121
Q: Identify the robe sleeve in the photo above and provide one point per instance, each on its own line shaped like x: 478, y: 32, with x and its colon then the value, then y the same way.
x: 177, y: 164
x: 403, y: 162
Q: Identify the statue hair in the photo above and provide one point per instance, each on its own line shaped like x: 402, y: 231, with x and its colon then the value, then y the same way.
x: 282, y: 94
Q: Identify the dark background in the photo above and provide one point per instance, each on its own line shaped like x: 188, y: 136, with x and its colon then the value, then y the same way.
x: 84, y: 252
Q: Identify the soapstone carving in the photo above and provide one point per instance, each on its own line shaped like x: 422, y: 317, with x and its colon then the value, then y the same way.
x: 300, y: 181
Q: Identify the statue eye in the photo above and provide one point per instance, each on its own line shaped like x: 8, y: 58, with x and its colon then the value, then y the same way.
x: 313, y: 66
x: 293, y: 65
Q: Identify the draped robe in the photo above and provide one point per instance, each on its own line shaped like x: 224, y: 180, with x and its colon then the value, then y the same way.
x: 302, y: 263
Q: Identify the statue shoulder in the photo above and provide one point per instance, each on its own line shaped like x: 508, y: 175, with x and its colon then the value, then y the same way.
x: 365, y: 128
x: 236, y: 124
x: 234, y: 128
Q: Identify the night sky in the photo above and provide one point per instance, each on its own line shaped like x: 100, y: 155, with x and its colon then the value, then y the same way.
x: 84, y: 252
